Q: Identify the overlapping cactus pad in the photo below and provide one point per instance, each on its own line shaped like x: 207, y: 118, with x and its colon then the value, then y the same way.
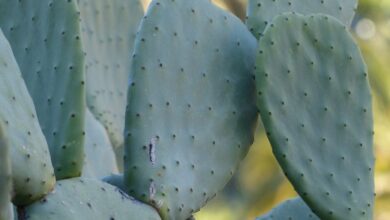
x: 315, y: 102
x: 108, y: 31
x: 6, y: 210
x: 81, y: 199
x: 45, y: 38
x: 33, y: 174
x: 99, y: 155
x: 115, y: 180
x: 191, y: 111
x: 261, y: 12
x: 294, y: 209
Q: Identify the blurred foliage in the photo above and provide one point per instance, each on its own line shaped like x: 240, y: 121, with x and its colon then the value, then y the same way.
x: 260, y: 184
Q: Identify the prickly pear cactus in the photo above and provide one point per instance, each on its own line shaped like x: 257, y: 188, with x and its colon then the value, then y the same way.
x: 6, y: 210
x: 293, y: 209
x: 315, y: 103
x: 191, y: 111
x: 109, y: 28
x: 45, y: 38
x: 80, y: 199
x: 99, y: 155
x: 261, y: 12
x: 33, y: 174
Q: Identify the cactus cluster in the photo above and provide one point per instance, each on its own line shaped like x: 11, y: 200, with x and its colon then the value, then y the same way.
x: 111, y: 114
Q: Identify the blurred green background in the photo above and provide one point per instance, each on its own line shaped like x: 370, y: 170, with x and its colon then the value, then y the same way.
x: 259, y: 183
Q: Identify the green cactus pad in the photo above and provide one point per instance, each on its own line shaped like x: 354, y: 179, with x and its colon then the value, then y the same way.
x: 294, y: 209
x: 261, y: 12
x: 191, y: 108
x: 99, y: 155
x: 45, y: 38
x: 6, y: 211
x: 33, y: 174
x: 315, y: 103
x: 81, y: 199
x: 108, y: 31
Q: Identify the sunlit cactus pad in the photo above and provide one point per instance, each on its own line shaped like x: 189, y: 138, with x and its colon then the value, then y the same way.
x: 315, y: 103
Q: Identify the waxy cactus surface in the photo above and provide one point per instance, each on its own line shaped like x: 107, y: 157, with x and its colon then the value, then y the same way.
x: 315, y: 103
x: 191, y: 105
x: 45, y: 37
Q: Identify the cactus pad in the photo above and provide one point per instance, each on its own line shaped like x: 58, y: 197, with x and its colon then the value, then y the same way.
x: 315, y: 103
x: 191, y: 111
x: 45, y: 38
x: 80, y: 199
x: 99, y: 156
x: 6, y: 209
x: 115, y: 180
x: 261, y: 12
x: 30, y: 158
x: 108, y: 31
x: 294, y: 209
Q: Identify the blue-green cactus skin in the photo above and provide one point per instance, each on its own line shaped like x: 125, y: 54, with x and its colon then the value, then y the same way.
x: 116, y: 180
x: 33, y: 174
x: 108, y: 31
x: 293, y: 209
x: 45, y: 38
x: 6, y: 210
x: 99, y: 155
x: 315, y: 103
x: 81, y: 199
x: 191, y: 109
x: 261, y: 12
